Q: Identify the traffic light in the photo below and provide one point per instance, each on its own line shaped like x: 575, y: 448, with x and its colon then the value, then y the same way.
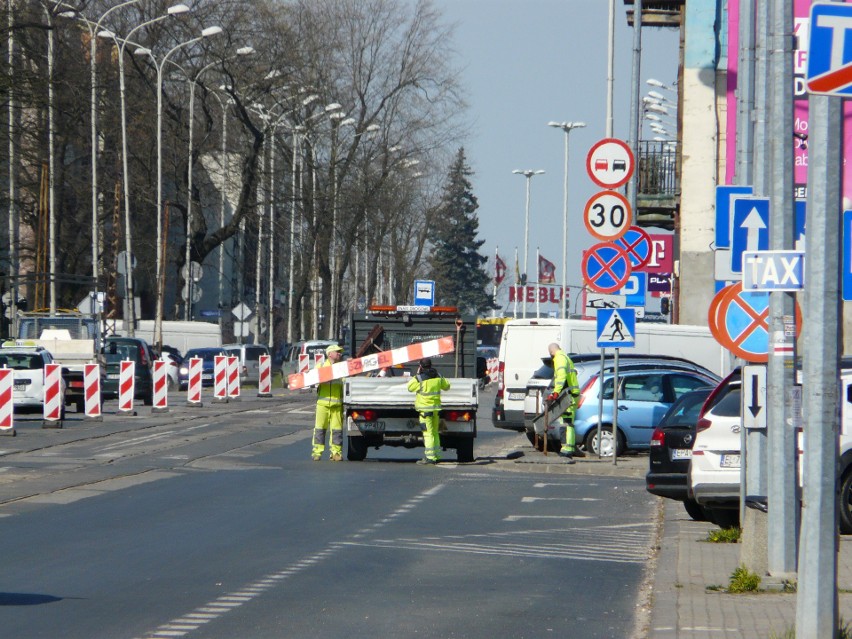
x: 665, y: 305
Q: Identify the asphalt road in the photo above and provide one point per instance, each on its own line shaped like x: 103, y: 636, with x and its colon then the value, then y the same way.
x: 214, y: 523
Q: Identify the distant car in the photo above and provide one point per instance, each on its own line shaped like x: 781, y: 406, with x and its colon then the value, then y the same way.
x: 207, y: 356
x: 249, y: 360
x: 671, y: 451
x: 306, y: 347
x: 714, y: 471
x: 119, y: 349
x: 588, y: 367
x: 27, y: 364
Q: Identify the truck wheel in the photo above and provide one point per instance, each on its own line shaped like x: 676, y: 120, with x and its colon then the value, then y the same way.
x: 845, y: 502
x: 464, y: 450
x: 357, y: 449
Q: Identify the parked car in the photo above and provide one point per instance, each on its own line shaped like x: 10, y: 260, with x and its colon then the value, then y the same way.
x: 644, y: 396
x: 27, y: 364
x: 249, y: 360
x: 119, y: 349
x: 305, y: 347
x: 714, y: 470
x: 671, y: 451
x: 588, y: 367
x: 207, y: 356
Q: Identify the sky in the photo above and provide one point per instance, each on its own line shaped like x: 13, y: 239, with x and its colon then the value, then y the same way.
x: 528, y: 62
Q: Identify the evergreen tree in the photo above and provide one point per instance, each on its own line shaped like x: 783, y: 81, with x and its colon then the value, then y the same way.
x: 456, y: 263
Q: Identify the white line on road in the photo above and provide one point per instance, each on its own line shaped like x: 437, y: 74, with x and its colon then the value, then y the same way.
x: 519, y: 517
x: 135, y: 440
x: 527, y: 500
x: 545, y: 485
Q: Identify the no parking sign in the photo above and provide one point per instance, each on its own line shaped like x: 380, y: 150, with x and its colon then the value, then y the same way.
x: 606, y: 267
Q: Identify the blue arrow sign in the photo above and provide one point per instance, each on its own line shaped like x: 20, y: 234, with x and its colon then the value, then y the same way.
x: 616, y: 327
x: 724, y: 194
x: 749, y: 229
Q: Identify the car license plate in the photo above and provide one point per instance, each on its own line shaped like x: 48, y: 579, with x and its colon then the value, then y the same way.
x: 681, y: 453
x: 371, y: 426
x: 517, y: 396
x: 207, y: 377
x: 730, y: 461
x: 113, y: 376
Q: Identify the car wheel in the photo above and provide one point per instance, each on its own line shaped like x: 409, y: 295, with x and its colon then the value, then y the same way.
x: 591, y: 441
x: 724, y: 517
x: 694, y: 510
x: 846, y: 502
x: 357, y: 449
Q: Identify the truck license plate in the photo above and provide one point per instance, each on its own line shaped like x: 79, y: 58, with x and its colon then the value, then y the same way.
x: 20, y: 387
x: 371, y: 426
x: 517, y: 396
x: 730, y: 461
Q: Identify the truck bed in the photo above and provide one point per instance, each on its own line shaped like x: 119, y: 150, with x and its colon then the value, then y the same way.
x: 374, y: 392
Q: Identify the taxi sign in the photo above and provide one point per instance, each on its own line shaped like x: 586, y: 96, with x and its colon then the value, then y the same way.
x: 20, y: 343
x: 610, y: 163
x: 773, y: 271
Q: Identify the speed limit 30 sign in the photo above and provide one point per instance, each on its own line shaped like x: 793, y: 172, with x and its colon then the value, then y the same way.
x: 607, y: 215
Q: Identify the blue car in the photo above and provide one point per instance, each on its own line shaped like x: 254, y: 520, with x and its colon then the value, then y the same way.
x: 644, y: 396
x: 207, y: 356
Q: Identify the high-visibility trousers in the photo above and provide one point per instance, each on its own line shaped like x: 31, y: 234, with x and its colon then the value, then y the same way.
x: 567, y: 434
x: 328, y: 417
x: 429, y: 421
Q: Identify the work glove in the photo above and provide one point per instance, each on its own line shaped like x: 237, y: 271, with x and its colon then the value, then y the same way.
x: 552, y: 397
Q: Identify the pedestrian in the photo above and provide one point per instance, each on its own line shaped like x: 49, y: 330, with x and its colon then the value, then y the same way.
x: 565, y: 378
x: 329, y: 412
x: 428, y: 385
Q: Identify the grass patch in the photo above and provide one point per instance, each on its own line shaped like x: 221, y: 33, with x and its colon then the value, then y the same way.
x: 724, y: 535
x: 844, y: 631
x: 743, y: 580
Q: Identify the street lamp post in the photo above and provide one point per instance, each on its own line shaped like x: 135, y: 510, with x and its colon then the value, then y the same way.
x: 567, y: 127
x: 209, y: 31
x: 121, y: 43
x: 528, y: 174
x: 338, y: 119
x: 223, y: 104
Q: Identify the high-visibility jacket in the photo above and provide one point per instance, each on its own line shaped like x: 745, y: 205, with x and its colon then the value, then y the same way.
x: 565, y: 377
x: 428, y: 389
x: 330, y: 393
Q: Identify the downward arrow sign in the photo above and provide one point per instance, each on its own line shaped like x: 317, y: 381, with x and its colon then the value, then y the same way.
x: 755, y: 407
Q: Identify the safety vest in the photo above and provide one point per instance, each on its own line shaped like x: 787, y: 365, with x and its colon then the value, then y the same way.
x: 565, y: 375
x: 428, y: 392
x: 330, y: 393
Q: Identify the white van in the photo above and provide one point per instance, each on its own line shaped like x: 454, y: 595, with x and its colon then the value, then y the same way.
x: 524, y: 343
x: 181, y: 335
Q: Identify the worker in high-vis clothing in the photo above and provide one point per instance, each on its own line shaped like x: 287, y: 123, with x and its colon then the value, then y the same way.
x: 565, y: 378
x: 329, y: 411
x: 428, y: 385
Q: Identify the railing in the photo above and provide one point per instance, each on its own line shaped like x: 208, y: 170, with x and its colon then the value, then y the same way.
x: 657, y: 170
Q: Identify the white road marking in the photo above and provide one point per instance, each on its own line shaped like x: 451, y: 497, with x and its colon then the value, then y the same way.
x: 526, y: 500
x: 519, y: 517
x: 136, y: 440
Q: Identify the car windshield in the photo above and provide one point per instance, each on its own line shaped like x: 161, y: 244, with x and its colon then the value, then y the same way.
x: 205, y: 354
x: 119, y: 352
x: 686, y: 410
x: 21, y: 361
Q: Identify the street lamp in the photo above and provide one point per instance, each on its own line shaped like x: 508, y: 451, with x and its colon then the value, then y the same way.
x: 187, y: 261
x: 121, y: 43
x: 528, y: 174
x: 660, y: 85
x: 567, y: 127
x: 94, y: 29
x: 209, y: 31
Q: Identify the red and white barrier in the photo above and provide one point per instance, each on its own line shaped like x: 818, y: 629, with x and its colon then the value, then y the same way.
x: 7, y: 402
x: 92, y: 391
x: 319, y: 358
x: 126, y: 386
x: 220, y: 378
x: 374, y: 362
x: 233, y: 378
x: 160, y: 403
x: 304, y: 363
x: 193, y: 384
x: 53, y: 398
x: 493, y: 364
x: 264, y: 380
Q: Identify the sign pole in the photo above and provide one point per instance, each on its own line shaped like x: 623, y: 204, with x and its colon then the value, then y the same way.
x: 614, y: 410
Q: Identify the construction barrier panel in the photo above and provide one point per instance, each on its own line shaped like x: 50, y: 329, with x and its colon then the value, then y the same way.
x: 373, y: 362
x: 264, y: 381
x: 7, y: 402
x: 304, y: 363
x: 220, y: 378
x: 92, y: 391
x: 126, y: 387
x: 233, y: 378
x: 319, y: 358
x: 193, y: 386
x: 160, y: 399
x: 53, y: 397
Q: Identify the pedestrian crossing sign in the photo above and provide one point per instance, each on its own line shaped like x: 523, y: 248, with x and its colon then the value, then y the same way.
x: 616, y: 328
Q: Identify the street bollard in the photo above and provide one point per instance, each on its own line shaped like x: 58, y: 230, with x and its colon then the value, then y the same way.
x: 160, y: 395
x: 233, y: 378
x: 126, y: 388
x: 193, y: 384
x: 264, y: 382
x: 92, y: 392
x: 53, y: 399
x: 7, y: 402
x: 220, y: 379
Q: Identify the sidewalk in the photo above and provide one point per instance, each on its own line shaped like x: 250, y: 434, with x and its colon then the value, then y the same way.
x: 684, y: 608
